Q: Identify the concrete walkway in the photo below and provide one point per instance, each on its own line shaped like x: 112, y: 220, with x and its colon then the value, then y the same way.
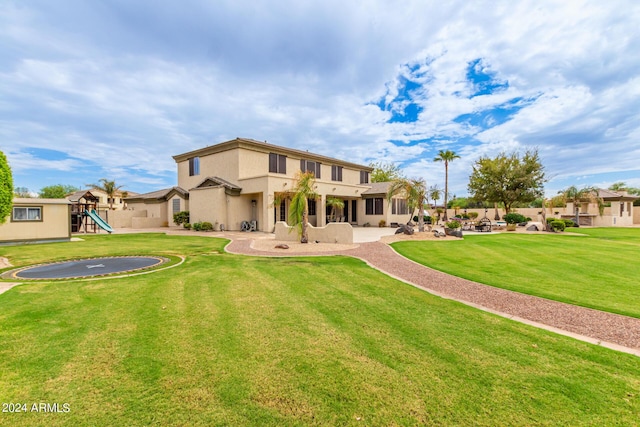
x: 610, y: 330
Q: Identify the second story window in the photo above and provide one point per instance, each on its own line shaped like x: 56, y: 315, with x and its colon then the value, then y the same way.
x: 310, y: 166
x: 277, y: 163
x: 194, y: 166
x: 364, y: 177
x: 336, y: 173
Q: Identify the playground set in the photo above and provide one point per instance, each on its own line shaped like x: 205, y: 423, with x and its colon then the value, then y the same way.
x: 84, y: 214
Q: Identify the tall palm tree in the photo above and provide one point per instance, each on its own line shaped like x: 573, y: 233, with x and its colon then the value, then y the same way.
x: 576, y: 196
x: 303, y: 190
x: 415, y: 190
x: 446, y: 157
x: 108, y: 187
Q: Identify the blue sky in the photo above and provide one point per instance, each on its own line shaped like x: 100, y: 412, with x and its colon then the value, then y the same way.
x: 112, y: 89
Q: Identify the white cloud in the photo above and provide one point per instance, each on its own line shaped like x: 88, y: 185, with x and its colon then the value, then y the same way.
x: 126, y: 85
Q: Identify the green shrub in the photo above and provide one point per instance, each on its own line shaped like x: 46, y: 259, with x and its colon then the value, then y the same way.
x: 453, y: 224
x: 426, y: 218
x: 196, y: 226
x: 187, y: 225
x: 569, y: 223
x: 557, y: 225
x: 473, y: 215
x: 514, y: 218
x: 181, y: 217
x: 382, y: 223
x: 206, y: 226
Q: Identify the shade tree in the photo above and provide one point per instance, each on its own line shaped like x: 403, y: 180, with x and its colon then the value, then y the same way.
x: 508, y: 178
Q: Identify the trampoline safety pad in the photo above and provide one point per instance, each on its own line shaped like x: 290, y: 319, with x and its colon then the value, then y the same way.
x: 85, y: 267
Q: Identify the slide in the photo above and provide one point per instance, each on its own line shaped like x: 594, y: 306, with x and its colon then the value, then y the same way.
x: 96, y: 218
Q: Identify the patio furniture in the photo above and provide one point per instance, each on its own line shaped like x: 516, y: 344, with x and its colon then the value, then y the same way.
x: 483, y: 225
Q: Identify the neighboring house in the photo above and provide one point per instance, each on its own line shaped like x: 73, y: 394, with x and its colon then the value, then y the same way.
x: 104, y: 201
x: 618, y: 214
x: 247, y: 180
x: 37, y: 220
x: 153, y: 209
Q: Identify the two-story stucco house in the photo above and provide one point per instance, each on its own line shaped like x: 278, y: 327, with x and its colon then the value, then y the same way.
x: 245, y: 180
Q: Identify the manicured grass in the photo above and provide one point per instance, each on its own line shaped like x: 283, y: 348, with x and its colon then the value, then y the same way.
x: 598, y: 269
x: 233, y: 340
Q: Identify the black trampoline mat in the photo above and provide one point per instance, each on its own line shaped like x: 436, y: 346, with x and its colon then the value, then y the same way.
x: 87, y: 267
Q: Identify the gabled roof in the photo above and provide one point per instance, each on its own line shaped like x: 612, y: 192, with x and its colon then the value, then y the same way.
x: 252, y: 144
x: 82, y: 194
x: 159, y: 195
x: 608, y: 196
x: 214, y: 181
x: 377, y: 188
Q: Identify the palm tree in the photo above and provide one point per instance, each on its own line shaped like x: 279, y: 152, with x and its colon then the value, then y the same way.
x: 335, y: 203
x: 435, y: 193
x: 108, y: 187
x: 415, y: 190
x: 446, y: 157
x: 303, y: 190
x: 576, y: 196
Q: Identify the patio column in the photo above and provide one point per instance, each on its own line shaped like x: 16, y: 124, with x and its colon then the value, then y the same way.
x: 321, y: 211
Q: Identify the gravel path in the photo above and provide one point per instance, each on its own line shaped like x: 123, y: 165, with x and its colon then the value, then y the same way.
x: 607, y: 329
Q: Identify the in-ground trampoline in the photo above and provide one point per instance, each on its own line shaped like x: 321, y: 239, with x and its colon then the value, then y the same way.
x: 86, y: 267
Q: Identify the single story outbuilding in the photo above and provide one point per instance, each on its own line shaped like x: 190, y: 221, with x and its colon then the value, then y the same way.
x: 35, y: 220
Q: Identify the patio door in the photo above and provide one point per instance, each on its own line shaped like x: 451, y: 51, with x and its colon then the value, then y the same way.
x: 354, y: 211
x: 345, y: 211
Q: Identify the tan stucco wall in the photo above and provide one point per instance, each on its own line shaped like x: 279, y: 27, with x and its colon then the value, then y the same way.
x: 331, y: 233
x: 224, y: 165
x: 208, y: 204
x: 55, y: 224
x: 254, y: 164
x: 184, y: 206
x: 123, y: 219
x: 138, y: 222
x: 157, y: 211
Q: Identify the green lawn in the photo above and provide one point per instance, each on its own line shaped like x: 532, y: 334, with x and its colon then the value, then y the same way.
x: 597, y: 269
x: 234, y: 340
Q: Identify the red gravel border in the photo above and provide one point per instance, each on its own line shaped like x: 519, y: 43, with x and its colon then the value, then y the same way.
x: 610, y: 330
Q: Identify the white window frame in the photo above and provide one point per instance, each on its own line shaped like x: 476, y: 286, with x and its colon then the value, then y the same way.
x: 31, y: 213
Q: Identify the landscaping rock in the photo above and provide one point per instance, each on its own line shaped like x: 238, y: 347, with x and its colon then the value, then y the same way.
x: 406, y: 229
x: 282, y: 246
x: 532, y: 227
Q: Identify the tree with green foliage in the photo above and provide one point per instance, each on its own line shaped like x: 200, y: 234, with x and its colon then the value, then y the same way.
x: 21, y: 192
x: 622, y: 186
x: 446, y: 156
x: 618, y: 186
x: 108, y: 187
x: 303, y: 190
x: 415, y: 191
x: 334, y: 203
x: 385, y: 172
x: 6, y: 188
x: 508, y: 179
x: 435, y: 193
x: 577, y: 196
x: 58, y: 191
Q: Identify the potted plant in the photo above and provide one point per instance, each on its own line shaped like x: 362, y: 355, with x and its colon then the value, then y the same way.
x: 452, y: 228
x: 512, y: 219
